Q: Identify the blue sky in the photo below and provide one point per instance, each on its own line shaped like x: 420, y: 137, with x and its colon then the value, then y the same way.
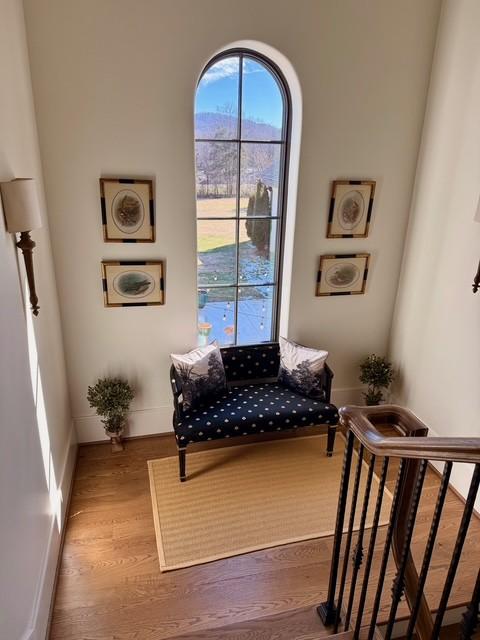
x: 261, y: 96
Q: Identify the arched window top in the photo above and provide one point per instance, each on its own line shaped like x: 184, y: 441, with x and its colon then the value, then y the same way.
x: 241, y: 135
x: 240, y: 96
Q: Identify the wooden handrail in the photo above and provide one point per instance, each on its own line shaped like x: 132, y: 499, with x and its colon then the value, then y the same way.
x: 362, y: 422
x: 415, y: 445
x: 414, y: 449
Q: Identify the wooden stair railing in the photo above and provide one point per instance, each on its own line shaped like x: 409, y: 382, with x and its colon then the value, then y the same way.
x: 414, y: 449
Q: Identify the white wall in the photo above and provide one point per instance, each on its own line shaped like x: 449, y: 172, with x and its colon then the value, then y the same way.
x: 37, y: 449
x: 114, y: 83
x: 435, y: 339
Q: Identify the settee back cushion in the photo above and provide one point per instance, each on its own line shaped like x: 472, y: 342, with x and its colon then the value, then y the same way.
x: 252, y: 362
x: 199, y: 374
x: 302, y: 368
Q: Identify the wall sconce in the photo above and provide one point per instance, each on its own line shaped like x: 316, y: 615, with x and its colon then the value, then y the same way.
x: 22, y: 214
x: 476, y: 279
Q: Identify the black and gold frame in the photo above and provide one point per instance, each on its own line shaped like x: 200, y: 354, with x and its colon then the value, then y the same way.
x: 128, y: 212
x: 351, y: 205
x: 342, y: 275
x: 133, y: 284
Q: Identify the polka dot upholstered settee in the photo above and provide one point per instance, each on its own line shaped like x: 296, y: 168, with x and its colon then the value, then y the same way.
x: 254, y: 402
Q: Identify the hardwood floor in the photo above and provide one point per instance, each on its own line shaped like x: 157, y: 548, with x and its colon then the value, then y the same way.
x: 110, y: 586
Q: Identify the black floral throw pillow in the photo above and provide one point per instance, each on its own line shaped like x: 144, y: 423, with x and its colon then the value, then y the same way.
x: 301, y: 368
x: 200, y: 373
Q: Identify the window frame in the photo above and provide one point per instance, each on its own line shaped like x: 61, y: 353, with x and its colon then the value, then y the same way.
x: 284, y: 143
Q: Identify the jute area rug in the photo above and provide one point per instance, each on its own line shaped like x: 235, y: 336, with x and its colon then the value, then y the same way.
x: 249, y: 497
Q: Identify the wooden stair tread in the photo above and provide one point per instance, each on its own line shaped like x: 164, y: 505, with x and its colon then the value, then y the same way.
x: 451, y: 632
x: 297, y: 624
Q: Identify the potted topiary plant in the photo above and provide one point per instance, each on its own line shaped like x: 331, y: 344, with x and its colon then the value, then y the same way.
x: 111, y: 398
x: 377, y: 373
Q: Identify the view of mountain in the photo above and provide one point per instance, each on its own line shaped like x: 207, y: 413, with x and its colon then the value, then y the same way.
x: 221, y: 125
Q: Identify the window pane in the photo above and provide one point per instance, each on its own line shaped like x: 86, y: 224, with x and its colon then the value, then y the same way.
x: 216, y: 315
x: 238, y: 216
x: 216, y: 101
x: 257, y: 251
x: 254, y: 315
x: 259, y: 179
x: 216, y: 251
x: 262, y: 103
x: 216, y: 176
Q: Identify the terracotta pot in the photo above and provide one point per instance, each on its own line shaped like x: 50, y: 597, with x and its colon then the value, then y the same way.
x: 116, y: 440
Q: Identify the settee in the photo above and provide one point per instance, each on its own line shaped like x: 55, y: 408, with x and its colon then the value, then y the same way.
x: 253, y: 402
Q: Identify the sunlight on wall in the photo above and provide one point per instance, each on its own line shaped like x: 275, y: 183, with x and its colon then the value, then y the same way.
x: 55, y: 495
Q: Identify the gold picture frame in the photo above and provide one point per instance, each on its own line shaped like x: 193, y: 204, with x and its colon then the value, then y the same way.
x: 133, y: 283
x: 351, y: 206
x: 342, y: 274
x: 128, y: 212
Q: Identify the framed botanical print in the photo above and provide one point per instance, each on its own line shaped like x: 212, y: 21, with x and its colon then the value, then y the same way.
x: 342, y: 275
x: 127, y: 210
x: 351, y: 205
x: 133, y: 284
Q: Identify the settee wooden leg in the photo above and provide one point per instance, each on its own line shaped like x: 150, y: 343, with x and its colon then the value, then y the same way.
x: 331, y: 440
x: 182, y: 464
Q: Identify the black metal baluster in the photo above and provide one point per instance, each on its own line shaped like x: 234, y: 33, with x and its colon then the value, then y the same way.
x: 386, y: 548
x: 470, y: 617
x: 351, y: 521
x: 357, y: 557
x: 442, y: 492
x: 457, y: 551
x: 326, y: 610
x: 371, y: 547
x: 399, y: 582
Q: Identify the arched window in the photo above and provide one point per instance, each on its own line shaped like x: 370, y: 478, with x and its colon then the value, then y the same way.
x: 241, y: 153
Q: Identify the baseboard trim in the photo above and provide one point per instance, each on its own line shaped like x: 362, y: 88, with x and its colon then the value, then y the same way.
x: 141, y: 422
x: 28, y: 635
x: 61, y: 545
x: 451, y: 487
x: 160, y: 434
x: 301, y: 432
x: 38, y: 628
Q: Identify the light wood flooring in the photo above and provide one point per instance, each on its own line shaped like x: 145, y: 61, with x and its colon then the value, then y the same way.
x: 110, y: 586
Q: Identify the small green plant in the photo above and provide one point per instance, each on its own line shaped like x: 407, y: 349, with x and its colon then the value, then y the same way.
x: 377, y: 373
x: 111, y: 398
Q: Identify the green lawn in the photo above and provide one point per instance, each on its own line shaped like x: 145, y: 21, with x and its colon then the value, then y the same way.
x: 212, y: 234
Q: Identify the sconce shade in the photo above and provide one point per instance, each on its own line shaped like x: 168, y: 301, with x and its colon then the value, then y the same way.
x: 20, y: 205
